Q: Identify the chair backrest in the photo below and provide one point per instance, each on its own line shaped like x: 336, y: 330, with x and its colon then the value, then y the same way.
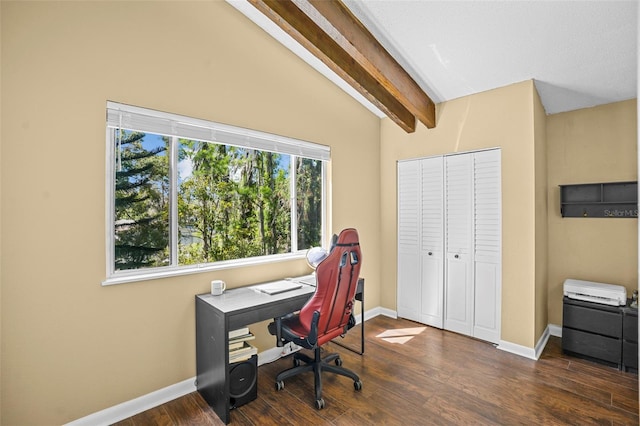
x: 336, y: 282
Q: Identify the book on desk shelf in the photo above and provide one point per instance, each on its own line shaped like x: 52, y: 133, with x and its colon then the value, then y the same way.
x: 236, y: 345
x: 242, y: 353
x: 241, y: 337
x: 238, y: 332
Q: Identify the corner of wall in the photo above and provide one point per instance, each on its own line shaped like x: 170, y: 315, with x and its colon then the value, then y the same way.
x: 541, y: 217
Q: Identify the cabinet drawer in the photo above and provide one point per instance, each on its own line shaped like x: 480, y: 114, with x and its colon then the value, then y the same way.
x: 630, y: 328
x: 593, y: 345
x: 630, y: 355
x: 595, y: 321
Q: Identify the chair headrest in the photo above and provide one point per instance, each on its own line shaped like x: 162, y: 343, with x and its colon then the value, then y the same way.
x: 348, y: 237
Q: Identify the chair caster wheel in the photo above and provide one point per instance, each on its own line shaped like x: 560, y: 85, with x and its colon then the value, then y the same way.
x: 338, y: 362
x: 357, y: 385
x: 279, y: 385
x: 320, y: 404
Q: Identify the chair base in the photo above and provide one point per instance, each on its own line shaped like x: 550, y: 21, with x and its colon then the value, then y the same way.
x: 331, y: 363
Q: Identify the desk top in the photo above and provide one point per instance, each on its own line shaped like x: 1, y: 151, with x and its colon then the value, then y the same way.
x: 243, y: 298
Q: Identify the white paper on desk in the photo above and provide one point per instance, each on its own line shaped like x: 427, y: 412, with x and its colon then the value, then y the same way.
x: 277, y: 287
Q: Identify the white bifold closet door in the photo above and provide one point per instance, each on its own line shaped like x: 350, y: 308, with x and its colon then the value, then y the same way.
x: 420, y: 241
x: 432, y: 242
x: 409, y: 204
x: 458, y: 312
x: 449, y: 242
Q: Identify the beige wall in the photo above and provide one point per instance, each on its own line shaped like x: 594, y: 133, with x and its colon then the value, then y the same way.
x: 541, y: 223
x: 498, y: 118
x: 71, y: 347
x: 587, y: 146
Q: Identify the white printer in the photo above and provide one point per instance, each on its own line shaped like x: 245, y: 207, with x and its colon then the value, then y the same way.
x: 607, y: 294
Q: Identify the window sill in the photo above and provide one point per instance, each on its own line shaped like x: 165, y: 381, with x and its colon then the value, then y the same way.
x: 130, y: 277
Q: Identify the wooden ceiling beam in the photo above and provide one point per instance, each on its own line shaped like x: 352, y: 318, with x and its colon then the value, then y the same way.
x: 355, y: 39
x: 330, y: 32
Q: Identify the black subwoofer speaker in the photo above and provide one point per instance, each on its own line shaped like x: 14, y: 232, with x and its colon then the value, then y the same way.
x: 243, y: 382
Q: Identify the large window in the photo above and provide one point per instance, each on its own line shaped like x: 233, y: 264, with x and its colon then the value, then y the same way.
x: 187, y: 194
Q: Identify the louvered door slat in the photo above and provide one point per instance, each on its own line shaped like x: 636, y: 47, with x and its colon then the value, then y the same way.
x: 432, y: 196
x: 408, y: 205
x: 458, y: 203
x: 487, y: 208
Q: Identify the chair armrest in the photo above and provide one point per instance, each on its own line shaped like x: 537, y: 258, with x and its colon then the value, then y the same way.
x: 312, y: 338
x: 275, y: 328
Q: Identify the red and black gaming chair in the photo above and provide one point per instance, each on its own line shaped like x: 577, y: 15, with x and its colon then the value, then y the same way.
x: 325, y: 316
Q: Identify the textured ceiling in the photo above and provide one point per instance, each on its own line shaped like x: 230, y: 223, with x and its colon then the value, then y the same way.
x: 580, y: 53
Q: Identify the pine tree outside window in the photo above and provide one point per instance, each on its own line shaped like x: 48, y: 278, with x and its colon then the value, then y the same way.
x: 187, y: 195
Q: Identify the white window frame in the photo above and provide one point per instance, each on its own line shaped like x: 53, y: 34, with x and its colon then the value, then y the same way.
x: 173, y: 125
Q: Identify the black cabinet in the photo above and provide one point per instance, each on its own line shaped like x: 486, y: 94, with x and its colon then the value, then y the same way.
x: 613, y: 199
x: 602, y: 333
x: 630, y: 339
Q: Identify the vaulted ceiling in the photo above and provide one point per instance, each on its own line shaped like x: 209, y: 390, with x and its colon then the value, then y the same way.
x: 579, y: 53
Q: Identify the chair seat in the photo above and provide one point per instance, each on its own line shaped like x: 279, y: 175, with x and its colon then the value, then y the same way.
x: 293, y: 326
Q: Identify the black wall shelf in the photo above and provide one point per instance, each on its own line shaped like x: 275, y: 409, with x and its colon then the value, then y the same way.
x: 613, y: 199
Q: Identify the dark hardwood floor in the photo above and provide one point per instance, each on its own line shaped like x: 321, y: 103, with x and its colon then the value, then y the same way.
x: 436, y: 378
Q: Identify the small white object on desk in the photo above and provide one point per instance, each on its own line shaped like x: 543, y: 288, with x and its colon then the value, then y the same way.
x: 218, y: 287
x: 306, y: 280
x: 277, y: 287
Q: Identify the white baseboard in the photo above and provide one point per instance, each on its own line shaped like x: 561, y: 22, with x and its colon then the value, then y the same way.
x: 542, y: 342
x: 382, y: 311
x: 532, y: 353
x: 555, y: 330
x: 517, y: 349
x: 135, y: 406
